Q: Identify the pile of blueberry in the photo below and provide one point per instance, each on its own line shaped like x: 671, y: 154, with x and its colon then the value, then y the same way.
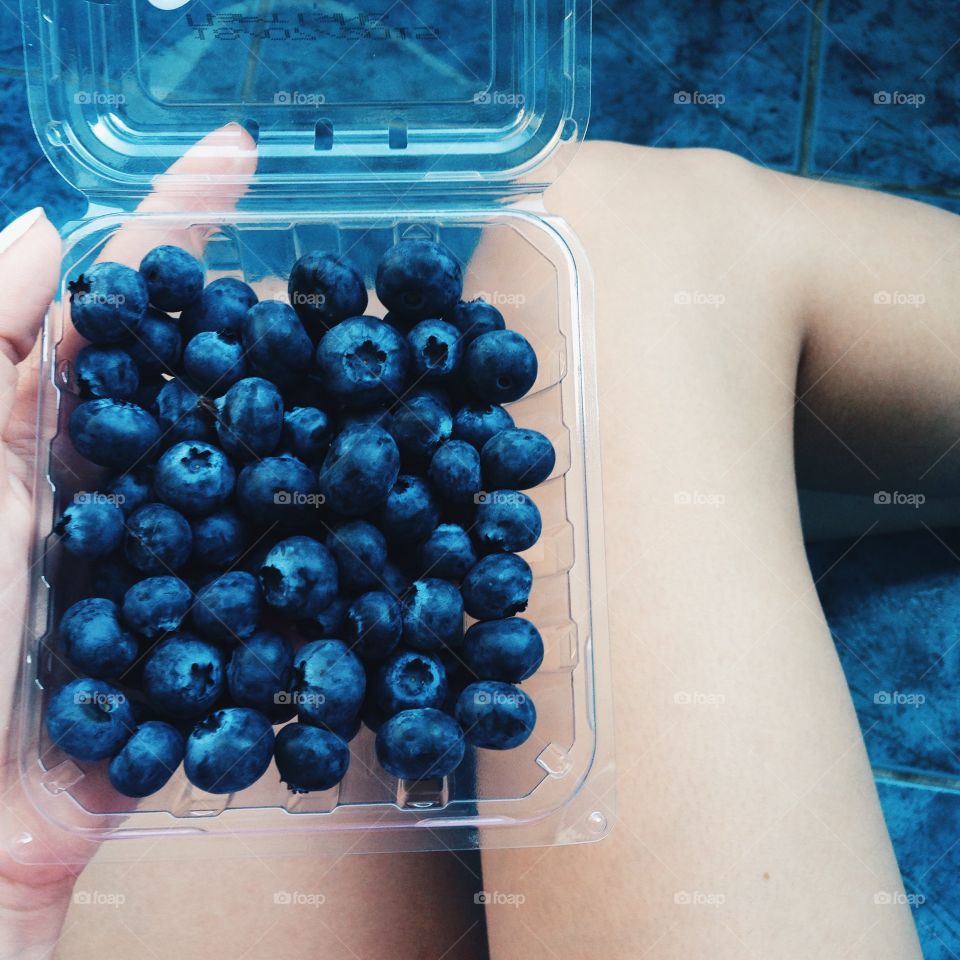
x: 301, y: 503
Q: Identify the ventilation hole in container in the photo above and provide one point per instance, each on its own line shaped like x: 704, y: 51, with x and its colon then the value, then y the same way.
x: 397, y: 132
x: 323, y: 135
x: 597, y: 823
x: 569, y: 130
x: 252, y: 127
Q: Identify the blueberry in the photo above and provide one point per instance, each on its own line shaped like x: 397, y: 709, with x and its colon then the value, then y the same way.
x: 447, y: 553
x: 359, y: 470
x: 90, y: 527
x: 112, y: 578
x: 89, y: 719
x: 328, y: 622
x: 194, y: 477
x: 183, y: 676
x: 506, y: 521
x: 150, y: 386
x: 159, y: 539
x: 455, y: 471
x: 106, y: 372
x: 478, y: 422
x: 410, y: 513
x: 498, y: 586
x: 113, y: 433
x: 509, y: 649
x: 420, y: 425
x: 363, y: 362
x: 307, y: 432
x: 174, y: 277
x: 213, y: 362
x: 435, y: 350
x: 411, y: 680
x: 157, y: 605
x: 219, y: 539
x: 250, y: 418
x: 373, y: 625
x: 374, y: 417
x: 278, y: 490
x: 147, y: 760
x: 418, y: 279
x: 517, y: 459
x: 325, y: 289
x: 420, y: 744
x: 94, y: 640
x: 131, y: 489
x: 157, y: 346
x: 432, y: 615
x: 330, y: 683
x: 260, y: 675
x: 495, y: 715
x: 228, y: 607
x: 361, y: 552
x: 229, y: 750
x: 221, y: 307
x: 182, y: 414
x: 277, y: 346
x: 299, y: 577
x: 310, y: 758
x: 107, y: 303
x: 394, y: 580
x: 473, y: 317
x: 500, y: 366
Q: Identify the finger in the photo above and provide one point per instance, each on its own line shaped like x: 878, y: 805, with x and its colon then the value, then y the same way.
x: 29, y: 270
x: 210, y: 177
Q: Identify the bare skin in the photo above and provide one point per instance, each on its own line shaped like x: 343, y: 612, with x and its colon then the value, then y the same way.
x: 748, y: 823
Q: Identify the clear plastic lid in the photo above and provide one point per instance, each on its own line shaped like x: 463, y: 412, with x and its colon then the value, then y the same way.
x: 478, y: 93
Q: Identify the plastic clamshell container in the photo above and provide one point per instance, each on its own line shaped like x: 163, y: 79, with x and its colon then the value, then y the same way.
x: 446, y: 124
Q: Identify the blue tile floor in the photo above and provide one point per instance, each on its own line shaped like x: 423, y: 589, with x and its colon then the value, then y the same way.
x: 861, y: 91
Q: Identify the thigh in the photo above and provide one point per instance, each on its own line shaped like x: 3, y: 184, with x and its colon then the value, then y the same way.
x: 357, y: 907
x: 748, y: 823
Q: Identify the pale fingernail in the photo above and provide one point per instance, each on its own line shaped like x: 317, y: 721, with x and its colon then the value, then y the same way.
x: 14, y: 230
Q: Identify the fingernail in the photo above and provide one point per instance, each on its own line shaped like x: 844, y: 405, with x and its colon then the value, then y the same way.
x: 14, y: 230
